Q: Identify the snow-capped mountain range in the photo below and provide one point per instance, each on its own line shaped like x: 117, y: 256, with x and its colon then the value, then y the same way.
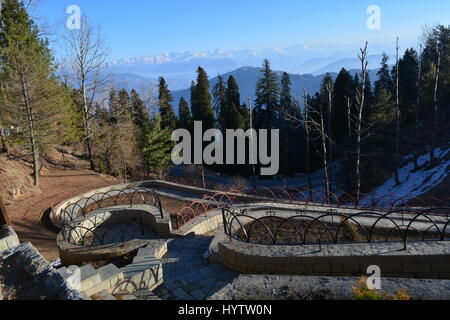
x: 297, y: 59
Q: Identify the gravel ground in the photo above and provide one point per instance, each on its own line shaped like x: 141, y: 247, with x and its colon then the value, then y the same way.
x: 255, y: 287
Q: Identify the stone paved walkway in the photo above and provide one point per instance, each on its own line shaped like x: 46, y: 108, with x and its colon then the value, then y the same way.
x: 188, y: 275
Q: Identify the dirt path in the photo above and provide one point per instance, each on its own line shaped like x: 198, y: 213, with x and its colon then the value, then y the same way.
x: 56, y: 186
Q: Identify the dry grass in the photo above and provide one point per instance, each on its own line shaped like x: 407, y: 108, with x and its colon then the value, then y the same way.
x: 362, y: 292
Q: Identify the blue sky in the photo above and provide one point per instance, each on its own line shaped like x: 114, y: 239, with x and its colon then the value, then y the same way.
x: 145, y: 27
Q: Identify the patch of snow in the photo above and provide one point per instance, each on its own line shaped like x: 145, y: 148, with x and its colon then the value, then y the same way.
x: 419, y: 182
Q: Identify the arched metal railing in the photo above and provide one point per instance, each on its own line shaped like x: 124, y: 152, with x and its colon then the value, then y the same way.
x: 119, y: 197
x: 310, y: 228
x: 79, y: 229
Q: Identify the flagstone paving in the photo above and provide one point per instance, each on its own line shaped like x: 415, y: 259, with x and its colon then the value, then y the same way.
x: 188, y: 275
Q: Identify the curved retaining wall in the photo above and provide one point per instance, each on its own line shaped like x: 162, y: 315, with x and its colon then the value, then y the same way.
x: 179, y: 192
x: 73, y: 254
x: 59, y: 208
x: 426, y: 260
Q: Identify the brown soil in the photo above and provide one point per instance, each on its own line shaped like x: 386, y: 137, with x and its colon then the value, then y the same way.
x: 56, y: 185
x: 26, y: 204
x: 173, y: 206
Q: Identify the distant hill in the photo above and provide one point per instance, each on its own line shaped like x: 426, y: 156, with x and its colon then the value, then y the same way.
x: 247, y: 77
x: 353, y: 63
x: 134, y: 81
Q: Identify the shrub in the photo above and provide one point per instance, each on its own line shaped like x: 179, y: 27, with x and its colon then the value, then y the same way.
x: 362, y: 292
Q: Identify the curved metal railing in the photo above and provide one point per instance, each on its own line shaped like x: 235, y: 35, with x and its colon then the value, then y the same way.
x: 79, y: 229
x: 309, y: 228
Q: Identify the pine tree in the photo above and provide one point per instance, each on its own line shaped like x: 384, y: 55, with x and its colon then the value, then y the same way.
x: 29, y: 89
x: 232, y: 93
x: 168, y: 118
x: 202, y: 109
x: 142, y: 122
x: 266, y: 104
x: 124, y: 106
x: 184, y: 118
x: 230, y: 115
x: 140, y: 116
x: 409, y: 71
x: 219, y: 95
x: 113, y: 102
x: 384, y: 81
x: 343, y: 90
x: 159, y: 147
x: 289, y: 135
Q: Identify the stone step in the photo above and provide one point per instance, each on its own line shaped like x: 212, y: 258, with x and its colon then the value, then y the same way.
x: 81, y: 279
x: 146, y: 274
x: 103, y: 295
x: 126, y: 297
x: 151, y: 260
x: 146, y: 295
x: 200, y: 283
x: 110, y: 277
x: 147, y: 252
x: 89, y: 278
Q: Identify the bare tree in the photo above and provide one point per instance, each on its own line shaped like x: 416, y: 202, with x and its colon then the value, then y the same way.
x: 117, y: 146
x: 317, y: 126
x: 436, y: 104
x: 397, y: 119
x: 311, y: 124
x: 360, y: 99
x: 330, y: 92
x: 308, y: 140
x: 349, y: 117
x: 87, y: 59
x: 419, y: 78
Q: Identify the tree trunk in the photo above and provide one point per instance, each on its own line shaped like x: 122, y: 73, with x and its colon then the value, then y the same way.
x: 436, y: 108
x: 361, y: 102
x: 4, y: 147
x: 31, y: 128
x: 330, y: 140
x: 286, y: 146
x: 397, y: 124
x: 325, y: 155
x: 349, y: 120
x: 308, y: 145
x: 416, y: 165
x: 87, y: 125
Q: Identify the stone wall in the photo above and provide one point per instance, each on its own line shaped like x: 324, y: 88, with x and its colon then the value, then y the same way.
x: 202, y: 224
x: 8, y: 238
x: 31, y: 277
x: 426, y: 260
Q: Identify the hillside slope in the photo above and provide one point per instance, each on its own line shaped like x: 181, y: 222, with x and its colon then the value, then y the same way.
x: 422, y: 181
